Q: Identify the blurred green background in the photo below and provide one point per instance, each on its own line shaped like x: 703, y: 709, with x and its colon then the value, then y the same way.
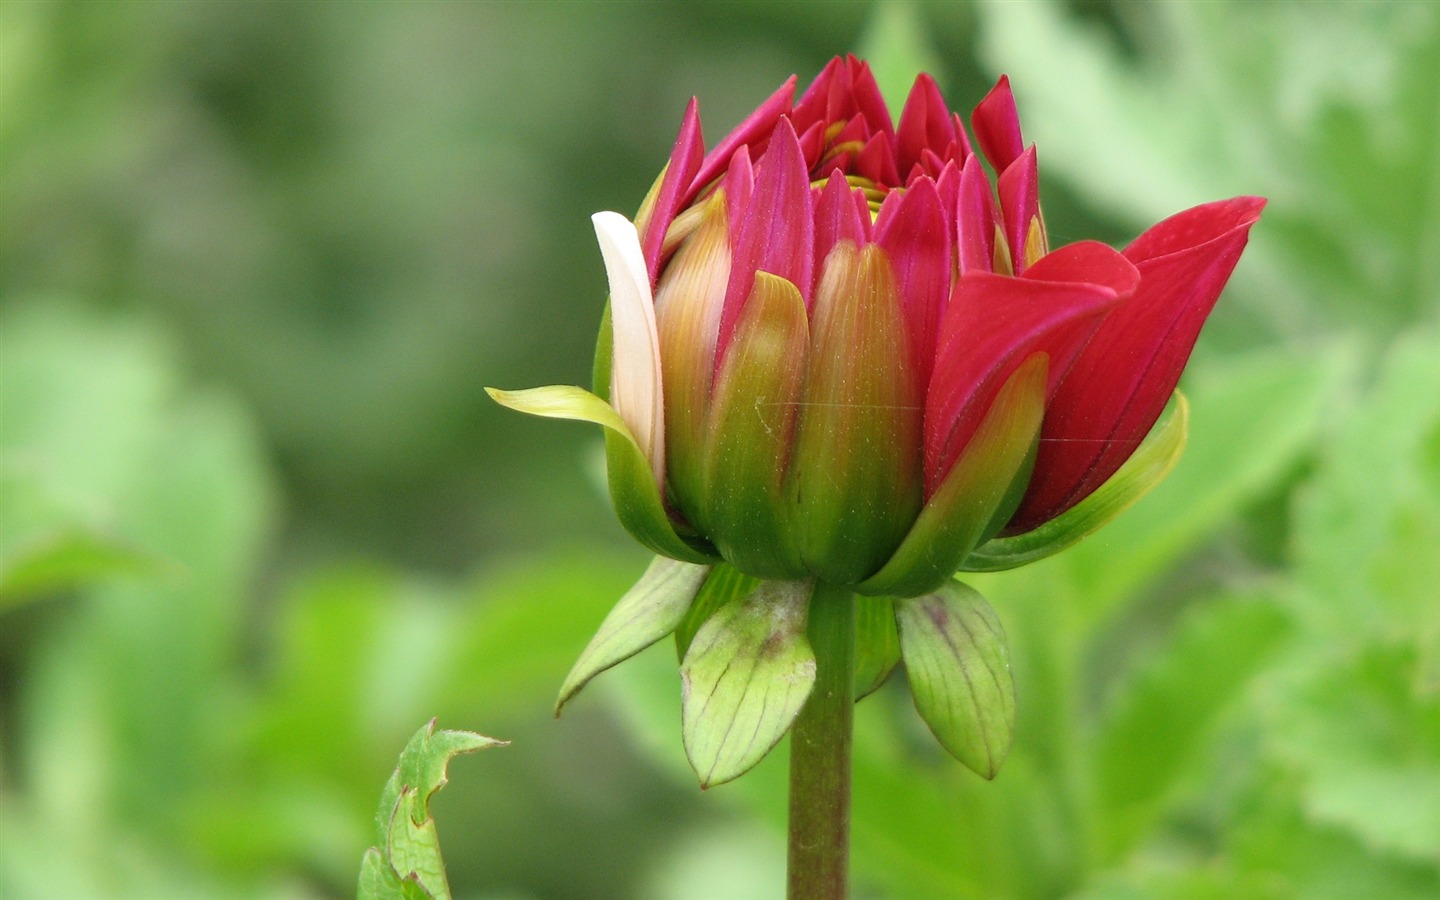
x: 258, y: 521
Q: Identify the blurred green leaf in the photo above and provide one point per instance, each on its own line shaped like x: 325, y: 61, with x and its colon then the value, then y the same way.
x: 1158, y: 721
x: 1281, y: 99
x: 407, y: 862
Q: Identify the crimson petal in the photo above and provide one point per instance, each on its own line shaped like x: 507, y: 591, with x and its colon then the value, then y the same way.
x: 775, y: 231
x: 992, y: 325
x: 924, y: 124
x: 756, y: 127
x: 685, y: 160
x: 997, y: 126
x: 912, y: 233
x: 1120, y: 383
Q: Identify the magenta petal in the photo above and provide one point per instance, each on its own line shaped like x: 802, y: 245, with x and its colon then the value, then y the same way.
x: 912, y: 234
x: 867, y: 99
x: 841, y: 214
x: 993, y: 324
x: 774, y: 233
x: 757, y: 126
x: 1083, y: 262
x: 739, y: 184
x: 876, y: 161
x: 1120, y: 383
x: 975, y: 219
x: 924, y: 124
x: 997, y: 126
x: 685, y: 160
x: 1019, y: 190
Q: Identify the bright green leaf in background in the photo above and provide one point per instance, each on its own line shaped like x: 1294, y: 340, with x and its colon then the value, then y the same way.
x: 406, y: 863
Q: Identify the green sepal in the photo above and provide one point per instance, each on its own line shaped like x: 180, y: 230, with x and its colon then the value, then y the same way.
x: 633, y: 490
x: 726, y: 584
x: 406, y: 862
x: 958, y: 664
x: 957, y: 516
x: 648, y: 612
x: 745, y: 678
x: 752, y: 422
x: 877, y: 643
x: 1151, y: 462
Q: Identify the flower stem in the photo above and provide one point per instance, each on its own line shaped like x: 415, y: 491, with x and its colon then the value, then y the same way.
x: 820, y: 754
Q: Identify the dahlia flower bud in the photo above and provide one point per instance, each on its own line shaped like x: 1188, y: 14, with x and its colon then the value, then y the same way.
x: 839, y: 359
x: 836, y: 349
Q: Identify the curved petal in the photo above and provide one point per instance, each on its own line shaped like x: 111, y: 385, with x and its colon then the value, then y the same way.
x: 1019, y: 191
x: 992, y: 324
x: 774, y: 233
x: 660, y: 208
x: 925, y: 124
x: 635, y: 388
x: 912, y: 233
x: 1118, y: 386
x: 756, y: 127
x: 997, y: 126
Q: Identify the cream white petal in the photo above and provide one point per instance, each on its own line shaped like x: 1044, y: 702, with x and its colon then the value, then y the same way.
x: 635, y: 385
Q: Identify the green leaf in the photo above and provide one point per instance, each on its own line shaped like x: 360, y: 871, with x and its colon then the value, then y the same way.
x: 959, y: 669
x: 1156, y: 726
x: 632, y: 483
x: 648, y: 611
x: 744, y: 679
x: 407, y: 861
x: 47, y: 545
x: 1141, y: 472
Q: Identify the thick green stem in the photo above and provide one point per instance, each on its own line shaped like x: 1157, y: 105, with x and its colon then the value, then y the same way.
x: 820, y: 754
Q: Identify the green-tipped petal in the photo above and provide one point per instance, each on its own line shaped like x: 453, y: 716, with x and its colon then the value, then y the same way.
x: 635, y: 386
x: 856, y: 473
x: 959, y: 669
x: 745, y: 678
x: 1142, y: 472
x: 962, y: 510
x: 648, y: 612
x: 632, y: 485
x: 757, y: 395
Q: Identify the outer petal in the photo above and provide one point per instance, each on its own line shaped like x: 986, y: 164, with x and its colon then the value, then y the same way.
x: 992, y: 324
x: 911, y: 231
x: 997, y: 126
x: 635, y: 388
x: 753, y: 131
x: 1118, y: 386
x: 659, y: 209
x: 775, y: 233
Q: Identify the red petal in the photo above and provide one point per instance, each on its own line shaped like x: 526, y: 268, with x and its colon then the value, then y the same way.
x: 975, y: 220
x: 685, y: 160
x: 924, y: 124
x: 841, y: 214
x: 1019, y: 191
x: 739, y: 185
x: 1084, y: 262
x: 756, y: 127
x: 1119, y: 385
x: 876, y: 161
x: 997, y: 126
x: 912, y: 234
x: 993, y: 323
x: 775, y: 232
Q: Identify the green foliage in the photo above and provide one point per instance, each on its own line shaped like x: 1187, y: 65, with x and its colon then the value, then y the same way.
x: 406, y: 864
